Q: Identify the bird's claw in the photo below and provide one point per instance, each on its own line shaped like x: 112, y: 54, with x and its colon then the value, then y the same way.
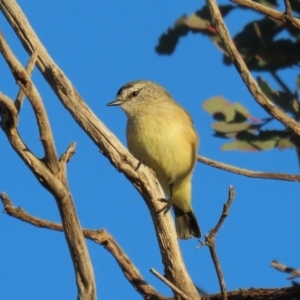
x: 168, y: 205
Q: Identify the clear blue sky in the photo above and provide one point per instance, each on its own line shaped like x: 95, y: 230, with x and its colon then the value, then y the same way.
x: 100, y: 45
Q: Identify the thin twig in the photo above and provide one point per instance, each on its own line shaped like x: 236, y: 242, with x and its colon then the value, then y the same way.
x: 281, y: 83
x: 280, y: 267
x: 65, y: 157
x: 269, y: 12
x: 210, y: 241
x: 29, y: 69
x: 169, y: 284
x: 225, y: 212
x: 248, y: 173
x: 288, y: 8
x: 101, y: 237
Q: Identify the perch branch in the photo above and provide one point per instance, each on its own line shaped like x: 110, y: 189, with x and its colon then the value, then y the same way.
x: 241, y: 67
x: 143, y: 179
x: 101, y: 237
x: 248, y: 173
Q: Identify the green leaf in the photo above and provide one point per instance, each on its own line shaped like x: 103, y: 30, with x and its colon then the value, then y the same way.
x: 222, y: 110
x: 238, y: 145
x: 224, y: 127
x: 241, y: 109
x: 216, y: 105
x: 264, y: 86
x: 284, y: 100
x: 196, y: 22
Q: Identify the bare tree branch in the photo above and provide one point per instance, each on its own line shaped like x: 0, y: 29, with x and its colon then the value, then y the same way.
x: 259, y: 294
x: 8, y: 112
x: 248, y: 173
x: 280, y: 267
x: 65, y: 157
x: 23, y: 79
x: 143, y: 178
x: 285, y: 17
x: 210, y: 241
x: 225, y: 212
x: 241, y: 67
x: 101, y: 237
x: 29, y: 69
x: 169, y: 284
x: 55, y: 183
x: 288, y: 8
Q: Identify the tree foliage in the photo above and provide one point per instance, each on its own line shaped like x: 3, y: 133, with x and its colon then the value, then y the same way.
x: 266, y: 45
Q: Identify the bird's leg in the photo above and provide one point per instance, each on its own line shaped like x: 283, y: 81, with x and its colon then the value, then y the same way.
x: 141, y: 162
x: 169, y: 202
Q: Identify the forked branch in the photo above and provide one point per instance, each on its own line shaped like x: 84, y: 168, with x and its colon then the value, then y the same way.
x: 47, y: 171
x: 101, y: 237
x: 210, y: 241
x: 143, y: 178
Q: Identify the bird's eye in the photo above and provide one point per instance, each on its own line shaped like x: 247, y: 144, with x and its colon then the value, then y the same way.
x: 134, y: 94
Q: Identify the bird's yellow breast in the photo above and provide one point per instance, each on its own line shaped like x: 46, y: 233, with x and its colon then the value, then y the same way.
x: 166, y: 140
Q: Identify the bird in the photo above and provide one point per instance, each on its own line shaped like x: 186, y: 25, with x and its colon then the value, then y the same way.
x: 161, y: 134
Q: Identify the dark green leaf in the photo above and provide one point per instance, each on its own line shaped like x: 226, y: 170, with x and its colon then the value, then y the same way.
x: 284, y: 100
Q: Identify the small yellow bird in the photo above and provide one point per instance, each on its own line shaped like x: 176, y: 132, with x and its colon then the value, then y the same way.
x: 161, y: 133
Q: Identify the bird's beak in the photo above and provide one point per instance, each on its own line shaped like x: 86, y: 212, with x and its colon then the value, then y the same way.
x: 116, y: 102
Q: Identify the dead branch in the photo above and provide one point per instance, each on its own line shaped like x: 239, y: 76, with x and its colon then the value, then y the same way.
x: 143, y: 178
x: 280, y: 267
x: 23, y: 80
x: 101, y: 237
x: 29, y: 69
x: 210, y: 241
x: 283, y: 16
x: 48, y: 174
x: 8, y: 112
x: 241, y: 67
x: 259, y: 294
x: 169, y: 284
x: 248, y: 173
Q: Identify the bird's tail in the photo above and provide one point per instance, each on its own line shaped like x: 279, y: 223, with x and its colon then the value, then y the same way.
x: 186, y: 224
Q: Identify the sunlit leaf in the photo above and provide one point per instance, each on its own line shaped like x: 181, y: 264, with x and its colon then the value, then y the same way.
x: 224, y: 127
